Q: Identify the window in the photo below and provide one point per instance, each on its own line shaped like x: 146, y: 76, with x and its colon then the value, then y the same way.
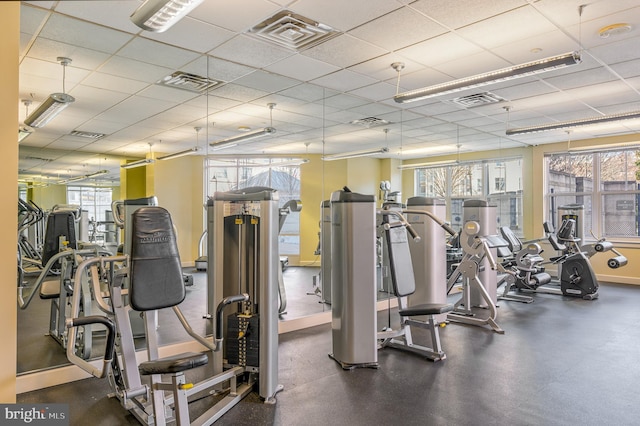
x: 459, y: 182
x: 605, y: 183
x: 96, y: 202
x: 226, y: 175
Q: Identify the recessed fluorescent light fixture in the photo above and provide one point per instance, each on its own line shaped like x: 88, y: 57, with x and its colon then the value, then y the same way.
x: 574, y: 123
x: 159, y: 15
x: 504, y: 74
x: 139, y: 163
x: 355, y: 154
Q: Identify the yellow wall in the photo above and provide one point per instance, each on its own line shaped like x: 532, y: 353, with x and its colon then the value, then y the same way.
x: 133, y: 183
x: 49, y: 196
x: 10, y: 24
x: 179, y: 188
x: 318, y: 179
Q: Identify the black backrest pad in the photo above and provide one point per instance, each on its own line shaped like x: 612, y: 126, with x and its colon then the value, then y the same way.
x: 61, y: 223
x: 155, y: 271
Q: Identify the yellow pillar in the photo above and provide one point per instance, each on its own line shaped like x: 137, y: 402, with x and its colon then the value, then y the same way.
x: 9, y: 50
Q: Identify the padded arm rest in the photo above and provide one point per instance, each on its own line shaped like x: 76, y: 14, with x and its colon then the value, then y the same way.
x: 174, y: 364
x: 427, y: 309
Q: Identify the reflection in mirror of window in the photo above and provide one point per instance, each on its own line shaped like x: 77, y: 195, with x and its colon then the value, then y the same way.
x: 476, y: 179
x: 230, y: 174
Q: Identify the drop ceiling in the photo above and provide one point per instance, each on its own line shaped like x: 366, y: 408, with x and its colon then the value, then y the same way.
x: 318, y: 90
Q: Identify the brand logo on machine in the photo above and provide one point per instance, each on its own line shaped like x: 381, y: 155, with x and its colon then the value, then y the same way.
x: 34, y: 414
x: 156, y: 237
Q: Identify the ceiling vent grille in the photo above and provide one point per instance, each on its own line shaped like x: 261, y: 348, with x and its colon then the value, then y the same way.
x: 370, y: 122
x: 477, y: 99
x: 88, y: 135
x: 292, y: 31
x: 189, y: 82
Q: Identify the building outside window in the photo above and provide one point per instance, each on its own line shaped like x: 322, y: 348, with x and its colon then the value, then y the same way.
x: 97, y: 203
x: 606, y: 183
x: 230, y: 174
x: 480, y: 180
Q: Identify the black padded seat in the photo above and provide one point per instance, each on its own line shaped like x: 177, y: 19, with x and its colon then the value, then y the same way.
x: 426, y: 309
x: 174, y: 364
x: 50, y: 289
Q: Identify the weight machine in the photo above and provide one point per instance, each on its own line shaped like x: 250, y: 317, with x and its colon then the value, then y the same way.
x: 154, y: 275
x: 355, y: 336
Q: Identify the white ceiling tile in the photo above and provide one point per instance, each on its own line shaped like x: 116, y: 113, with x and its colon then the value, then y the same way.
x: 266, y: 81
x: 344, y: 81
x: 302, y: 67
x: 249, y: 51
x: 344, y: 51
x: 49, y: 50
x: 134, y: 109
x: 130, y: 68
x: 112, y: 13
x: 95, y: 100
x: 581, y: 78
x: 239, y: 93
x: 518, y: 24
x: 398, y: 29
x: 473, y: 64
x: 234, y: 17
x: 114, y: 83
x: 376, y: 92
x: 193, y: 34
x: 80, y: 33
x: 153, y: 52
x: 343, y: 15
x: 344, y: 101
x: 308, y: 92
x: 438, y: 50
x: 464, y: 12
x: 627, y: 69
x: 31, y: 18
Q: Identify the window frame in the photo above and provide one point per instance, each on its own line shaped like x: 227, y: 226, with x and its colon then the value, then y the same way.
x: 597, y: 194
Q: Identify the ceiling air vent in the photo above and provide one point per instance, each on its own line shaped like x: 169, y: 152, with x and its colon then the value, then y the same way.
x: 370, y: 122
x: 190, y: 82
x: 292, y: 31
x: 477, y: 99
x: 88, y: 135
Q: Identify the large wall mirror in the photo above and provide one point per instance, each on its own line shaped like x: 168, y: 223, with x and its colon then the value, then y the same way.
x: 141, y: 95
